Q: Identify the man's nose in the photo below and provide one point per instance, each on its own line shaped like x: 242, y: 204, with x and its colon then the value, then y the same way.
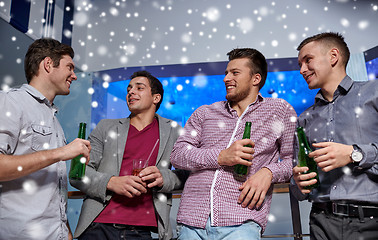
x: 74, y: 77
x: 131, y: 91
x: 303, y: 69
x: 226, y: 77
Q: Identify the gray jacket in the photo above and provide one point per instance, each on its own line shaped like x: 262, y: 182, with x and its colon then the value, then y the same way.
x: 108, y: 142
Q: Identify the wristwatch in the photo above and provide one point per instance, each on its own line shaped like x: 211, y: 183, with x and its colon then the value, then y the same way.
x: 356, y: 154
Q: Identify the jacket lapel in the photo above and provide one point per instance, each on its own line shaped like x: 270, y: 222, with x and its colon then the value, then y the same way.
x: 164, y: 132
x: 122, y: 131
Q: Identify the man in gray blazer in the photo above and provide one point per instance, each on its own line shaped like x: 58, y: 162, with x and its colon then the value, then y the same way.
x: 119, y: 205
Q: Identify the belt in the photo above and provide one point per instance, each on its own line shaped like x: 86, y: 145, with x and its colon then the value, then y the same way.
x: 348, y: 209
x: 132, y: 227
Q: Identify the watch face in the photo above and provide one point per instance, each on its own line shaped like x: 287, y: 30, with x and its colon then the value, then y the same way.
x: 356, y: 156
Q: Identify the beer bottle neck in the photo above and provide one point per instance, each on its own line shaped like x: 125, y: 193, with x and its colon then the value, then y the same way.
x: 247, y: 131
x: 82, y: 128
x: 302, y: 139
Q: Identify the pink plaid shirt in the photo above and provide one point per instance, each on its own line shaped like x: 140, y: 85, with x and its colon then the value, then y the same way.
x: 212, y: 189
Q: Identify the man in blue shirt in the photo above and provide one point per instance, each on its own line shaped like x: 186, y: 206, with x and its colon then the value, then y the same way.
x: 342, y: 127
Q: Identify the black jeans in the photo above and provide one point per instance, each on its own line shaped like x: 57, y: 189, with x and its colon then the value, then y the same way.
x: 327, y: 226
x: 108, y: 231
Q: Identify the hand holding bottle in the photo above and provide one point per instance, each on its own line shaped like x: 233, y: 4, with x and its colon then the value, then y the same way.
x: 241, y: 169
x: 303, y: 179
x: 306, y: 165
x: 237, y: 153
x: 75, y: 148
x: 77, y: 170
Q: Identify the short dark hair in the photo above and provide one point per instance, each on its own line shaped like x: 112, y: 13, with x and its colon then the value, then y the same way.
x: 330, y: 40
x: 39, y: 50
x: 155, y: 84
x: 257, y: 61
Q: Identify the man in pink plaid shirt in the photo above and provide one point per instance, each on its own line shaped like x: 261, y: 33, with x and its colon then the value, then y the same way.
x: 216, y: 203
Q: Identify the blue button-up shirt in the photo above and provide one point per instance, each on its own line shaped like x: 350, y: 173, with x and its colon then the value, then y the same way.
x: 34, y: 206
x: 350, y: 118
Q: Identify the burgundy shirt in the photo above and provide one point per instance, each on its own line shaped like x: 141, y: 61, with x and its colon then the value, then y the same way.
x: 137, y: 211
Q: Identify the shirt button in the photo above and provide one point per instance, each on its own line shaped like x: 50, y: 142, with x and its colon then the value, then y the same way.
x: 334, y: 187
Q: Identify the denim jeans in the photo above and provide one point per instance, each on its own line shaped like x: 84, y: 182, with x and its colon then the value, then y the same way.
x: 248, y: 230
x: 105, y: 231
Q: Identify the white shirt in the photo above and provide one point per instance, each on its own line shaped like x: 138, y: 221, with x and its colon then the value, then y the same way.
x: 34, y: 206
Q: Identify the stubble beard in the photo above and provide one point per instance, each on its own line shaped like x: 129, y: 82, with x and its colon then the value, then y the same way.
x: 237, y: 97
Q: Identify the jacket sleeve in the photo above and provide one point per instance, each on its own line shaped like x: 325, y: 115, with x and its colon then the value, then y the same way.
x: 95, y: 182
x: 173, y: 179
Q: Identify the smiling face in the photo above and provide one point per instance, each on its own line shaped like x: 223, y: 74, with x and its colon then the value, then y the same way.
x: 315, y: 64
x: 139, y: 97
x: 63, y: 75
x: 238, y: 80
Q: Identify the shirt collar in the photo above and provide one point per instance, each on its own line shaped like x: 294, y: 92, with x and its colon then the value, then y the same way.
x: 343, y: 88
x: 259, y: 99
x: 37, y: 95
x: 346, y: 84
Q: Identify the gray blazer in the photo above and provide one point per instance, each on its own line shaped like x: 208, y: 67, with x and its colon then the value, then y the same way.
x: 108, y: 142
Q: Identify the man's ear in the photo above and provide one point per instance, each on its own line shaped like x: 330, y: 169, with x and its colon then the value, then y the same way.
x: 47, y: 64
x: 334, y: 55
x: 157, y: 98
x: 256, y: 79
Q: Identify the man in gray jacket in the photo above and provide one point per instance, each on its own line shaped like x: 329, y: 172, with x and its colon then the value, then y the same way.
x: 119, y: 205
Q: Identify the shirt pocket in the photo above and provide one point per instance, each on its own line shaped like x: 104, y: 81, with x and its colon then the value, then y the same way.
x: 41, y: 137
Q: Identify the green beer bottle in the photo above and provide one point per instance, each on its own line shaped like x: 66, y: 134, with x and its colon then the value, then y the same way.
x: 239, y: 169
x: 77, y: 170
x: 303, y: 159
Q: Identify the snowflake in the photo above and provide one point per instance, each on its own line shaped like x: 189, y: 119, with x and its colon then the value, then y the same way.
x: 212, y: 14
x: 30, y: 186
